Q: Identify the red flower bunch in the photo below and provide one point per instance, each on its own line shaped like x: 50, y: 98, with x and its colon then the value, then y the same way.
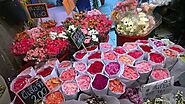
x: 54, y: 47
x: 95, y: 67
x: 38, y: 44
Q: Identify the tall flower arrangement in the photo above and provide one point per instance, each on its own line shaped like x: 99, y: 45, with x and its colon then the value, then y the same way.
x: 93, y: 24
x: 38, y: 44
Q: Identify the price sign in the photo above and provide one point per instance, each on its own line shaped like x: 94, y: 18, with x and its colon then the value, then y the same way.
x: 78, y: 38
x: 37, y: 10
x: 34, y: 92
x: 157, y: 88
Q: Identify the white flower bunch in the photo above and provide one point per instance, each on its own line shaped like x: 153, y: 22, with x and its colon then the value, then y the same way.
x: 54, y: 35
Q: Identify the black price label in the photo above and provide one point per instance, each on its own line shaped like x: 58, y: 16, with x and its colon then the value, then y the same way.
x: 34, y: 92
x: 37, y: 10
x: 78, y: 38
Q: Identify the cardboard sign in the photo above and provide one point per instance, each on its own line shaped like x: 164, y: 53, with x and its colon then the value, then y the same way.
x: 37, y: 10
x: 78, y: 38
x: 69, y: 6
x: 34, y: 92
x: 157, y: 88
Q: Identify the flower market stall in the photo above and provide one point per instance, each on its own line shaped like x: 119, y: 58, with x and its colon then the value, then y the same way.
x: 74, y: 63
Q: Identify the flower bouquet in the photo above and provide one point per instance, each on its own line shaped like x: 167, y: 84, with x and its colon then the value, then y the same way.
x: 95, y: 67
x: 84, y: 83
x: 39, y: 44
x: 116, y: 87
x: 65, y: 64
x: 70, y: 89
x: 48, y: 24
x: 94, y: 25
x: 100, y: 84
x: 131, y: 23
x: 129, y: 75
x: 53, y: 83
x: 113, y: 69
x: 159, y: 73
x: 55, y: 97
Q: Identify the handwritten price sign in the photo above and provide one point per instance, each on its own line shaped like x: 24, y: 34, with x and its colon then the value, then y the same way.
x: 37, y: 10
x: 34, y: 92
x: 157, y: 88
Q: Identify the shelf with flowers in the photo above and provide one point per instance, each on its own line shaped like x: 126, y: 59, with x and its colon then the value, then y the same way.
x: 39, y: 44
x: 93, y: 24
x: 133, y: 23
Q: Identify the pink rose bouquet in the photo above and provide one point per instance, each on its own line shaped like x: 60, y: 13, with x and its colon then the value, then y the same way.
x: 84, y: 82
x: 159, y: 74
x: 81, y: 67
x: 68, y: 75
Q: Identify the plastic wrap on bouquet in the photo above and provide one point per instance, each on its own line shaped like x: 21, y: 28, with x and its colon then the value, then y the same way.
x: 109, y: 56
x: 156, y: 59
x: 145, y: 48
x: 70, y: 89
x: 138, y: 55
x: 119, y: 50
x: 129, y: 75
x: 107, y: 99
x: 53, y: 62
x: 95, y: 55
x: 68, y: 75
x: 48, y: 73
x: 84, y: 83
x: 66, y: 64
x: 178, y: 49
x: 116, y: 87
x: 81, y: 55
x: 159, y: 73
x: 28, y: 71
x: 178, y: 68
x: 126, y: 59
x: 129, y: 46
x: 113, y: 69
x: 79, y: 66
x: 92, y: 49
x: 171, y: 58
x: 54, y: 97
x: 105, y: 47
x: 95, y: 67
x: 144, y: 68
x: 100, y: 84
x: 53, y: 83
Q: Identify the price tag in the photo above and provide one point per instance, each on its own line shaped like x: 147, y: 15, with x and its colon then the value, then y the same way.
x: 33, y: 92
x: 78, y: 38
x: 157, y: 88
x: 37, y: 10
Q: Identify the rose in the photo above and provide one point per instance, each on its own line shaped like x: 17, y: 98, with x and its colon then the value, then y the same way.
x: 130, y: 73
x: 95, y: 67
x: 80, y: 54
x: 45, y: 72
x: 67, y: 75
x: 160, y: 73
x: 170, y: 53
x: 20, y: 82
x: 84, y: 82
x: 116, y: 86
x: 129, y: 46
x: 79, y: 66
x: 100, y: 82
x: 112, y: 68
x: 177, y: 48
x: 143, y: 67
x: 135, y: 54
x: 96, y: 55
x: 156, y: 57
x: 53, y: 83
x: 119, y: 50
x: 70, y: 88
x: 65, y: 64
x: 109, y: 55
x: 55, y: 97
x: 126, y: 59
x: 146, y: 48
